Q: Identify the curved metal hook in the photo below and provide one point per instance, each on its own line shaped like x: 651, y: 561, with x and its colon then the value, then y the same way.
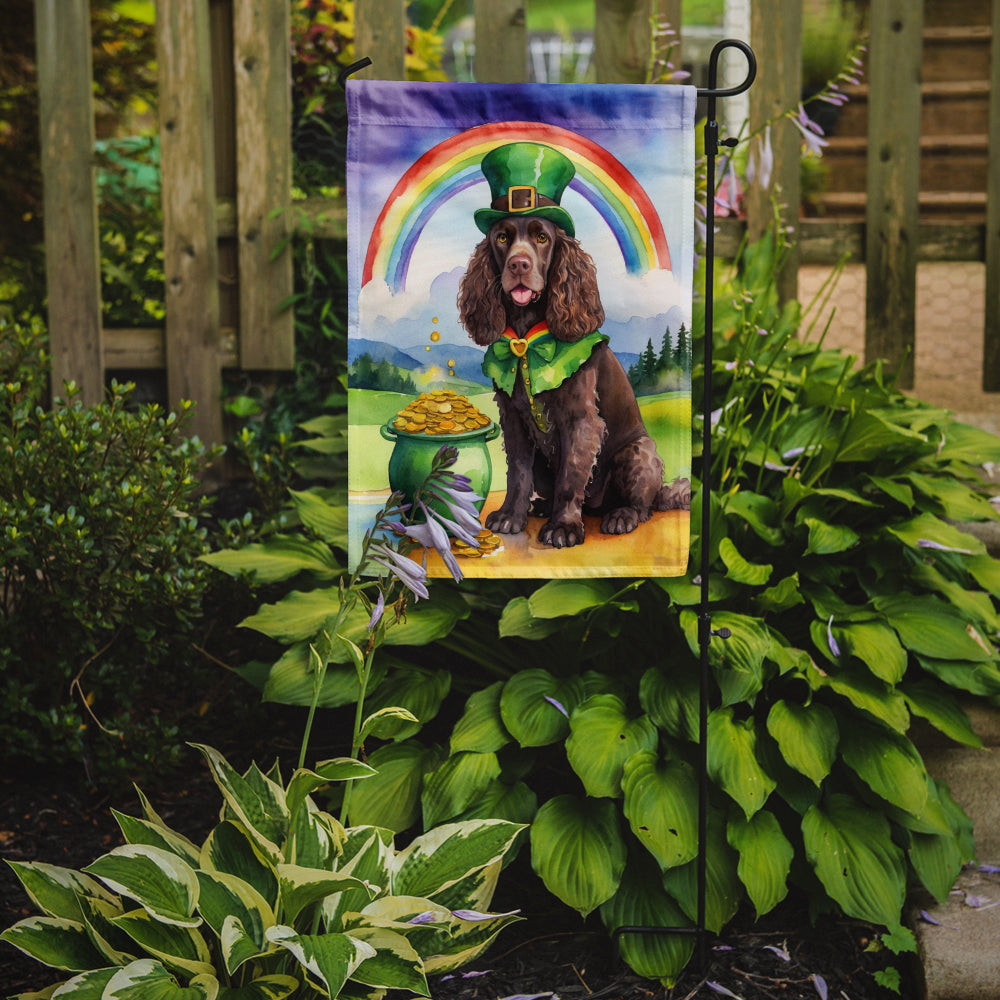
x: 713, y: 69
x: 353, y: 68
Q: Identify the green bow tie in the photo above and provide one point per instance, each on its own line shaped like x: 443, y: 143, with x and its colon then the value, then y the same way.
x: 544, y: 362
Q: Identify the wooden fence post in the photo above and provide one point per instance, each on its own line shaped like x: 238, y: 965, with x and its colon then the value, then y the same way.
x: 380, y: 34
x: 190, y: 251
x: 991, y: 332
x: 893, y: 183
x: 776, y: 35
x: 501, y: 38
x: 623, y: 37
x: 262, y: 61
x: 72, y: 255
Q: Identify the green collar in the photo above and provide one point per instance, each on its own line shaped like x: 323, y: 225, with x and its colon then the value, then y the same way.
x: 544, y: 361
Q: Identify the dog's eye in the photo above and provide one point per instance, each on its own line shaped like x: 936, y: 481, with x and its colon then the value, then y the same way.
x: 541, y: 238
x: 501, y: 238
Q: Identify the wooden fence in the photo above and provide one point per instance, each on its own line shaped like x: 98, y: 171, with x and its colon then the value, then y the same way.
x: 226, y: 161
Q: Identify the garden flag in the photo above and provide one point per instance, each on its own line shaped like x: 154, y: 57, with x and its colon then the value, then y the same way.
x: 520, y: 272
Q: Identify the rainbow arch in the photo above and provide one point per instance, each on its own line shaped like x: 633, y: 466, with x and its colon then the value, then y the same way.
x: 453, y: 165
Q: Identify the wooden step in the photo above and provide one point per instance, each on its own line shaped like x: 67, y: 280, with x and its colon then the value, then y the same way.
x: 945, y: 12
x: 956, y: 53
x: 956, y: 206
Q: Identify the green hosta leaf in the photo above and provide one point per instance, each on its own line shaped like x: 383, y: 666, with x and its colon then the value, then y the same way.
x: 275, y: 987
x: 870, y: 436
x: 54, y: 941
x: 738, y: 569
x: 297, y: 616
x: 279, y: 558
x: 765, y: 858
x: 142, y: 831
x: 732, y: 760
x: 517, y: 620
x: 975, y: 605
x: 304, y: 782
x: 738, y: 662
x: 888, y: 763
x: 956, y: 500
x: 976, y: 678
x: 226, y: 898
x: 481, y: 728
x: 559, y: 598
x: 807, y: 736
x: 516, y: 803
x: 327, y: 520
x: 56, y: 891
x: 391, y: 798
x: 456, y: 784
x: 783, y: 595
x: 758, y: 511
x: 671, y: 700
x: 441, y: 857
x: 230, y: 849
x: 147, y: 979
x: 301, y: 887
x: 876, y: 646
x: 292, y: 680
x: 160, y: 882
x: 828, y: 539
x: 535, y: 706
x: 387, y: 723
x: 931, y: 628
x: 418, y: 691
x: 937, y: 859
x: 330, y: 959
x: 395, y: 964
x: 927, y: 528
x: 180, y: 948
x: 661, y: 799
x: 941, y: 709
x: 260, y: 806
x: 972, y: 445
x: 894, y: 489
x: 723, y: 889
x: 578, y: 851
x: 850, y: 848
x: 864, y: 691
x: 602, y: 738
x: 986, y: 572
x: 641, y: 901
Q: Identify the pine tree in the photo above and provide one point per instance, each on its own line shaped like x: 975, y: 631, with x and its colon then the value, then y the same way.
x: 648, y: 361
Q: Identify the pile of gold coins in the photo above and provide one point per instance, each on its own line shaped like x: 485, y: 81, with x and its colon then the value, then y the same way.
x: 440, y: 412
x: 489, y: 545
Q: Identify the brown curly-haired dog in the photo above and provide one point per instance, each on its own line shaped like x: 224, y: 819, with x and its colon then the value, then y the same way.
x: 582, y: 445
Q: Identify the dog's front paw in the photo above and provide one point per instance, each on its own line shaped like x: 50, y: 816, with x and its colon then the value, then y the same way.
x: 562, y: 535
x: 506, y: 522
x: 621, y: 521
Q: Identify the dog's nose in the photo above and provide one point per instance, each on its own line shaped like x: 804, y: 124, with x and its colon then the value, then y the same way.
x: 519, y: 265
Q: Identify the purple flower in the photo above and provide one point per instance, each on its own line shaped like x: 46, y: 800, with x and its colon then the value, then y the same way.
x: 558, y: 705
x: 719, y: 988
x: 834, y: 648
x: 431, y: 535
x: 811, y: 132
x: 427, y: 917
x: 377, y: 612
x: 780, y: 952
x: 820, y: 983
x: 475, y: 915
x: 412, y: 575
x: 761, y: 163
x: 927, y: 543
x: 464, y: 522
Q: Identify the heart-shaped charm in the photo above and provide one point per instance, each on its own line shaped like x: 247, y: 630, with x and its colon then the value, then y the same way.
x: 519, y: 346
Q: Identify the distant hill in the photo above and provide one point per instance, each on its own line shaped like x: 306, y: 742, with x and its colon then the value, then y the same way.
x: 468, y: 360
x: 378, y: 350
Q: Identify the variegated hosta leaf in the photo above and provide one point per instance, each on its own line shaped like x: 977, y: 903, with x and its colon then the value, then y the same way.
x: 391, y: 799
x: 149, y: 980
x: 177, y: 947
x: 55, y: 941
x: 732, y: 760
x: 888, y: 763
x: 56, y: 891
x: 274, y: 987
x: 315, y: 838
x: 329, y: 959
x: 224, y: 897
x: 230, y: 849
x: 301, y: 887
x: 467, y: 940
x: 481, y: 727
x: 578, y: 851
x: 86, y: 986
x: 158, y: 880
x: 602, y: 737
x: 535, y: 706
x: 765, y: 858
x: 141, y: 831
x: 304, y: 782
x: 99, y: 915
x: 456, y: 784
x: 367, y: 853
x: 661, y: 800
x: 807, y: 736
x: 256, y: 801
x: 395, y: 964
x: 476, y: 890
x: 642, y: 902
x: 850, y: 847
x: 441, y: 857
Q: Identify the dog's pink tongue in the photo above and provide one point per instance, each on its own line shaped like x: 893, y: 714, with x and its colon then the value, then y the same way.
x: 522, y: 295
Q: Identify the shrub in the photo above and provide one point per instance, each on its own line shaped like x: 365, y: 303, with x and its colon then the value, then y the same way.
x: 99, y: 546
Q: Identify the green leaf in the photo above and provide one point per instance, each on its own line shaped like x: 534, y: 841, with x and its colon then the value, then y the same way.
x: 391, y: 798
x: 518, y: 621
x: 941, y: 709
x: 559, y: 598
x: 395, y: 964
x: 456, y: 784
x: 986, y: 571
x: 850, y: 848
x: 292, y: 681
x: 516, y: 803
x: 732, y: 760
x: 888, y: 763
x: 640, y: 901
x: 876, y: 646
x: 297, y: 616
x: 387, y: 722
x: 828, y: 539
x: 758, y: 511
x: 417, y: 690
x: 738, y: 662
x: 807, y: 736
x: 937, y: 859
x: 481, y: 727
x: 301, y: 887
x: 331, y: 959
x: 866, y: 692
x: 601, y: 739
x: 976, y: 678
x: 54, y: 941
x: 304, y: 782
x: 230, y: 849
x: 86, y: 986
x: 163, y: 884
x: 785, y: 594
x: 275, y: 987
x: 661, y: 798
x: 931, y: 628
x: 56, y: 891
x: 141, y: 831
x: 327, y: 520
x: 181, y: 948
x: 765, y: 858
x: 869, y: 436
x: 279, y: 558
x: 225, y: 897
x: 577, y: 850
x: 147, y: 979
x: 530, y: 706
x: 672, y: 700
x: 738, y: 569
x: 928, y: 528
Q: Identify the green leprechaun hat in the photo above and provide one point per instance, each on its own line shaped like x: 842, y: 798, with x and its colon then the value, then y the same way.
x: 526, y: 178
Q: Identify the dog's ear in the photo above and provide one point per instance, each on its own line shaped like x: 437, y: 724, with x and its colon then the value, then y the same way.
x: 573, y: 308
x: 480, y: 307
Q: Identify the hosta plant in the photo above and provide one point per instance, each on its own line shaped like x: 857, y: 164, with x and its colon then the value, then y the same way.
x: 279, y: 900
